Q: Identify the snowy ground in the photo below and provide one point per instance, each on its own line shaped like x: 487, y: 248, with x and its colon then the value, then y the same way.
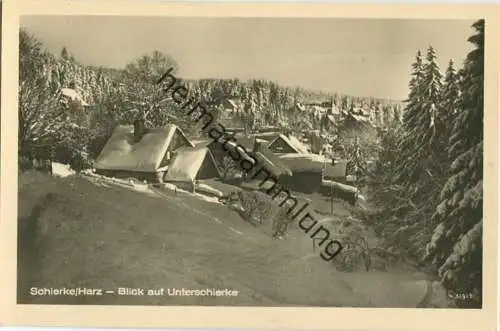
x: 143, y: 236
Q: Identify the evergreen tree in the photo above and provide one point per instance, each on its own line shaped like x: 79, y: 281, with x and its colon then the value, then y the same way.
x: 260, y: 100
x: 397, y: 114
x: 65, y: 54
x: 357, y: 162
x: 417, y: 169
x: 451, y: 91
x: 448, y: 108
x: 456, y: 245
x: 388, y: 115
x: 432, y: 93
x: 414, y: 121
x: 418, y: 146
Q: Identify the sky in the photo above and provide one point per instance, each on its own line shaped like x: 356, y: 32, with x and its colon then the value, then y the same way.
x: 360, y: 57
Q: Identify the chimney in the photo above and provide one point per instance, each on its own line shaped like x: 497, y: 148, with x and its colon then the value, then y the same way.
x: 139, y: 129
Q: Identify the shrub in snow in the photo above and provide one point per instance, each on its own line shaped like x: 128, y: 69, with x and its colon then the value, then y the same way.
x: 356, y: 254
x: 259, y: 209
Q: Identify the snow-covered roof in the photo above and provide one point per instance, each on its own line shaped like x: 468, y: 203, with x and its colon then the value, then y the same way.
x: 300, y: 106
x: 298, y: 144
x: 309, y: 157
x: 360, y: 118
x: 73, y: 95
x: 335, y: 110
x: 233, y: 103
x: 120, y: 153
x: 270, y: 161
x: 188, y: 162
x: 319, y: 109
x: 315, y: 163
x: 293, y: 142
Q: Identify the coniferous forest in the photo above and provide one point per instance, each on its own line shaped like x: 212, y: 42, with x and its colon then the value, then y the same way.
x: 426, y: 183
x: 430, y: 202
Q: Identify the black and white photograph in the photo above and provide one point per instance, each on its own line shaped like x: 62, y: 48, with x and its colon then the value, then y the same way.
x: 250, y: 161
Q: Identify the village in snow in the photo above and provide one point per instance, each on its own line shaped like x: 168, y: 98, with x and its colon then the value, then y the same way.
x: 120, y: 187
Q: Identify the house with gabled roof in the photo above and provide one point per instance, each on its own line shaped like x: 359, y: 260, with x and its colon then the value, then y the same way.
x: 287, y: 144
x: 269, y: 161
x: 309, y: 170
x: 140, y: 152
x: 192, y: 163
x: 229, y: 106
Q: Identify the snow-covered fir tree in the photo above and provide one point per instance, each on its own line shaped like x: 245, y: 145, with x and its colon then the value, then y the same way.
x: 413, y: 120
x: 447, y: 110
x: 432, y: 94
x: 456, y: 245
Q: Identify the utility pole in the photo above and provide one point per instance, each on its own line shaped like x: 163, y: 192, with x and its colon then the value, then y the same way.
x: 314, y: 244
x: 331, y: 186
x: 331, y: 199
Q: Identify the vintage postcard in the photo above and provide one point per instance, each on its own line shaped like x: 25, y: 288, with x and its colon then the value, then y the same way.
x: 249, y: 165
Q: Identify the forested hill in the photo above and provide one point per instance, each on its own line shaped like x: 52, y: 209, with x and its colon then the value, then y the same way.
x: 132, y: 88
